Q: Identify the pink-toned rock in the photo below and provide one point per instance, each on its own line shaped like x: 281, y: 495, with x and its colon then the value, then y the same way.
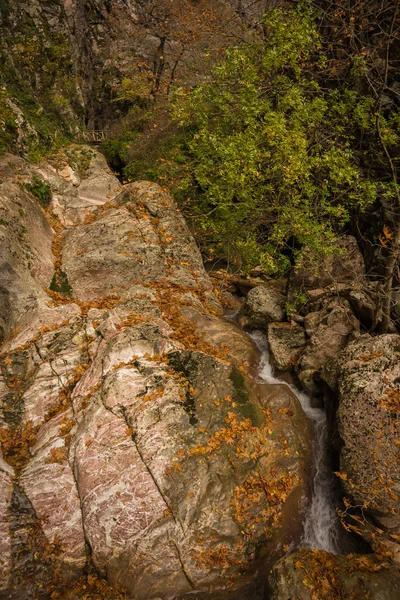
x: 6, y: 484
x: 145, y: 440
x: 49, y: 482
x: 79, y: 186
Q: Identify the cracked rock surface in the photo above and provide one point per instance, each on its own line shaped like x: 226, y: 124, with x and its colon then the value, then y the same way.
x: 135, y: 444
x: 365, y: 381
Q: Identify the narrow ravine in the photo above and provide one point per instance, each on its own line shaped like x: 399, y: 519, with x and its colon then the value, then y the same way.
x: 321, y: 523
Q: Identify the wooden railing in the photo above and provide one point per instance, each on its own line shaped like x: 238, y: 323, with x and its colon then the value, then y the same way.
x: 91, y: 137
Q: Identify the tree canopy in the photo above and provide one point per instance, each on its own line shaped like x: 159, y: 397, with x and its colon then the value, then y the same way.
x: 271, y: 153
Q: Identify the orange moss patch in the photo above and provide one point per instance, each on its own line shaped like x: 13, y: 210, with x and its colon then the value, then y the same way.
x: 99, y: 212
x: 132, y: 320
x: 66, y: 426
x: 320, y: 572
x: 367, y: 357
x: 123, y: 364
x: 153, y: 395
x: 53, y: 221
x: 220, y: 557
x: 87, y: 588
x: 57, y: 251
x: 285, y: 325
x: 185, y: 331
x: 93, y: 390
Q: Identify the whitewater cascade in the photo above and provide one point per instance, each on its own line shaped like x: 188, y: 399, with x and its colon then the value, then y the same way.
x: 321, y: 524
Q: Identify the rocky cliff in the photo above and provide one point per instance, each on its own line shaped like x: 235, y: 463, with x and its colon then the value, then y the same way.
x: 72, y: 64
x: 135, y: 444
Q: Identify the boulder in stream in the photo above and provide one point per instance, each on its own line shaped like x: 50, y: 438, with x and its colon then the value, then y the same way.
x: 364, y: 400
x: 318, y: 575
x: 286, y: 342
x: 263, y: 305
x: 329, y: 330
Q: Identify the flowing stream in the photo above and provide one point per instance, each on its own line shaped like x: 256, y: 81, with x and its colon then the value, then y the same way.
x: 321, y: 524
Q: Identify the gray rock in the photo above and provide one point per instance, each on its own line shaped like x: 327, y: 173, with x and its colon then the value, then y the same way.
x: 366, y: 377
x: 364, y: 302
x: 314, y: 574
x: 263, y: 305
x: 286, y: 343
x: 329, y: 330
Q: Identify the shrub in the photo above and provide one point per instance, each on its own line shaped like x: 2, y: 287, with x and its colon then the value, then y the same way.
x: 40, y: 189
x: 269, y: 151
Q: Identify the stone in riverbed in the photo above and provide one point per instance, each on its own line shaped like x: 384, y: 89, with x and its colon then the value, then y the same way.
x: 286, y: 343
x: 315, y: 574
x: 329, y: 330
x: 366, y: 379
x: 263, y: 305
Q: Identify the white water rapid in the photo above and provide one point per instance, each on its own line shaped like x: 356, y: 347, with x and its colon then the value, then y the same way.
x: 321, y: 522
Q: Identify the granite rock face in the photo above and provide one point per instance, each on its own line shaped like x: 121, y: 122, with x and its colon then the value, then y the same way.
x: 134, y: 440
x: 311, y: 575
x: 286, y: 342
x: 365, y: 380
x: 263, y: 305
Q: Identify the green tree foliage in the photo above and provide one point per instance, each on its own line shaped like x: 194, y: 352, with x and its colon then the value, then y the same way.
x: 270, y: 151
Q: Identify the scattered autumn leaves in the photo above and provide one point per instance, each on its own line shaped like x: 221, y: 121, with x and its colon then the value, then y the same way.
x: 321, y: 573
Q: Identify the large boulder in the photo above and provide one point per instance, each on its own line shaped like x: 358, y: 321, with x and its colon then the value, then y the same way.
x: 329, y: 330
x: 286, y: 342
x: 314, y: 574
x: 127, y: 411
x: 366, y: 380
x: 263, y: 305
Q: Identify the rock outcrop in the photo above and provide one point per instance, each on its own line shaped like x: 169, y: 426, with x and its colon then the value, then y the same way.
x: 313, y: 575
x: 325, y: 304
x: 364, y: 400
x: 329, y: 331
x: 263, y: 305
x: 287, y: 342
x: 134, y: 442
x: 347, y: 267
